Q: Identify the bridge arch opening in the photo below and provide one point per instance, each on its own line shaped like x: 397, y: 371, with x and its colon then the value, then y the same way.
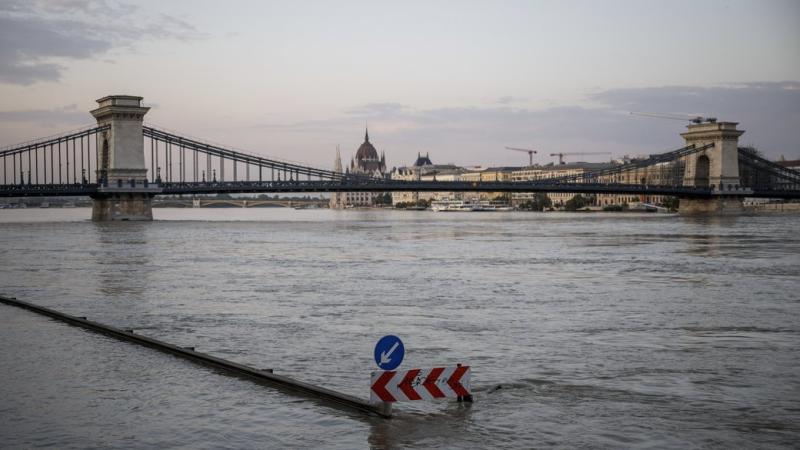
x: 701, y: 171
x: 104, y: 155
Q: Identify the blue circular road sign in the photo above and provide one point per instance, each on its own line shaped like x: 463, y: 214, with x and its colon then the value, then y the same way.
x: 389, y: 352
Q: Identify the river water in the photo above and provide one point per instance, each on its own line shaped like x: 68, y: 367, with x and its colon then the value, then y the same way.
x: 582, y: 330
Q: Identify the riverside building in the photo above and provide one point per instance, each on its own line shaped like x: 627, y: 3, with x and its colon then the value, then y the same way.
x: 659, y: 174
x: 488, y: 174
x: 365, y: 162
x: 425, y: 170
x: 549, y: 171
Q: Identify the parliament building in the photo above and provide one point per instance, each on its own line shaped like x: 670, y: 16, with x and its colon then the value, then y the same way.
x: 366, y: 162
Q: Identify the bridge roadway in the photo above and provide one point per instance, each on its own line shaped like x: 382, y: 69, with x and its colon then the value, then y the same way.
x: 379, y: 185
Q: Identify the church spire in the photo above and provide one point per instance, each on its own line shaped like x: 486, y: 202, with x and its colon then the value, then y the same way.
x: 337, y: 163
x: 366, y: 133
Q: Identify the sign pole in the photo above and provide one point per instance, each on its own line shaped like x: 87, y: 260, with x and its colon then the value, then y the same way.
x: 389, y: 352
x: 466, y: 398
x: 385, y: 408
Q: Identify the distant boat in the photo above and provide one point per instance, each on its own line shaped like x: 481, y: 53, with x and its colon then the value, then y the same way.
x: 452, y: 205
x: 44, y: 205
x: 646, y: 207
x: 492, y: 206
x: 467, y: 205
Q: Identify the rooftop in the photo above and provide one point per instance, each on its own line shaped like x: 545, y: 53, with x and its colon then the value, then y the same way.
x: 569, y: 166
x: 422, y: 160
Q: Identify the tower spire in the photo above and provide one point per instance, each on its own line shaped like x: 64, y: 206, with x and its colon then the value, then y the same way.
x: 337, y: 163
x: 366, y: 132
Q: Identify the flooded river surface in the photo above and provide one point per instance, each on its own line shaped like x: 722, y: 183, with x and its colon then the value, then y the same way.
x: 582, y: 330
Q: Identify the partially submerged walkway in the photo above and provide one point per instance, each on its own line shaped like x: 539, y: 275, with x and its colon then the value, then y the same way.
x: 267, y: 377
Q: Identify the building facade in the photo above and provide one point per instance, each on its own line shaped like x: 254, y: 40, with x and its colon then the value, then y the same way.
x: 488, y: 174
x: 532, y: 173
x: 658, y: 174
x: 424, y: 170
x: 366, y: 162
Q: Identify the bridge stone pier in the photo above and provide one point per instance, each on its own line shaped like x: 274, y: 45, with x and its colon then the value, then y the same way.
x: 124, y: 192
x: 716, y: 167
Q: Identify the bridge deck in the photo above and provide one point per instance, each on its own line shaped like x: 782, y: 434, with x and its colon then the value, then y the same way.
x: 233, y: 187
x: 359, y: 186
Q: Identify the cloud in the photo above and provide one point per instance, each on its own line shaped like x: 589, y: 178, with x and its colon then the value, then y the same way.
x: 37, y: 35
x: 67, y: 115
x: 378, y: 109
x: 27, y: 41
x: 25, y: 74
x: 507, y: 100
x: 769, y: 112
x: 719, y: 101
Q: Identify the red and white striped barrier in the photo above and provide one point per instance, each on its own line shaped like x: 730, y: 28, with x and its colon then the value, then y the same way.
x: 419, y: 384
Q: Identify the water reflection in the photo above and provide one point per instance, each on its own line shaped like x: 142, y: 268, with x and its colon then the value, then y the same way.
x: 122, y: 260
x: 448, y: 426
x: 711, y: 236
x: 714, y: 221
x: 708, y: 245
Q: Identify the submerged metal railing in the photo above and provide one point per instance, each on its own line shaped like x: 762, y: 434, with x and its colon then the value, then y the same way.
x: 267, y: 377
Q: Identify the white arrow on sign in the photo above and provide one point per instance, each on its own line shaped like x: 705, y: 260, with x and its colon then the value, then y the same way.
x: 385, y: 355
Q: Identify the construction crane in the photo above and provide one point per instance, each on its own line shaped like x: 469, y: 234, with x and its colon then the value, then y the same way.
x: 562, y: 155
x: 526, y: 150
x: 693, y: 119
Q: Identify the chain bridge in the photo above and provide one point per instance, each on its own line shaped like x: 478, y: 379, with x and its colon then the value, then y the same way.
x: 121, y: 163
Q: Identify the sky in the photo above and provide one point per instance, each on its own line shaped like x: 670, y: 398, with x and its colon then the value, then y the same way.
x: 460, y: 80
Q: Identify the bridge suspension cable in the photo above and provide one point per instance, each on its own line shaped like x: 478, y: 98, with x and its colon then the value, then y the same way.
x: 65, y: 159
x: 608, y: 173
x: 42, y: 142
x: 764, y: 175
x: 209, y: 163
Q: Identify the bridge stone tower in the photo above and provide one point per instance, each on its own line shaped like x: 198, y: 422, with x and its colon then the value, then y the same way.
x: 124, y: 192
x: 716, y: 167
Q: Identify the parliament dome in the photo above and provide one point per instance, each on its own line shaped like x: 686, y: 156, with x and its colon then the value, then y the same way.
x: 367, y: 150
